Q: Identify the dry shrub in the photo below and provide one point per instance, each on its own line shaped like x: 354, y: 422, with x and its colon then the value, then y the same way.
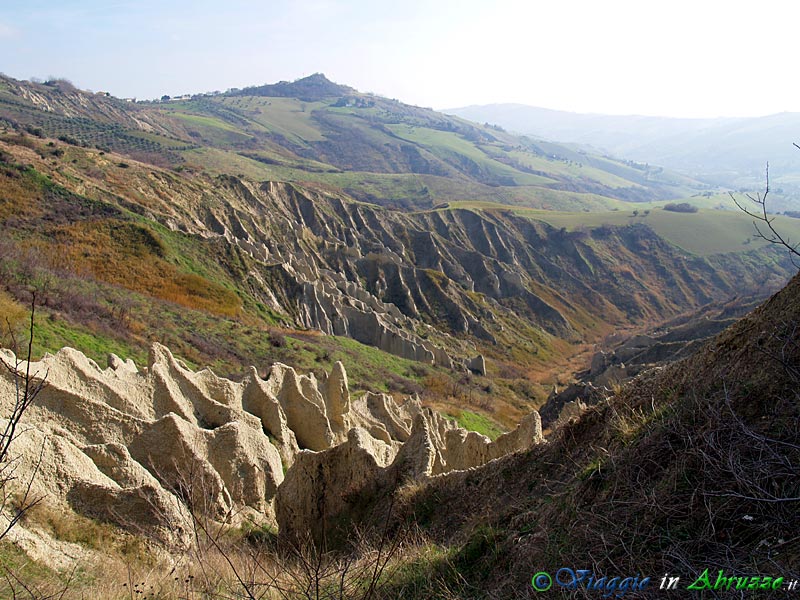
x: 12, y: 317
x: 132, y: 256
x: 702, y: 474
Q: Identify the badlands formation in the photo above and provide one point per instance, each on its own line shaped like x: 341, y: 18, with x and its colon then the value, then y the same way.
x: 146, y: 448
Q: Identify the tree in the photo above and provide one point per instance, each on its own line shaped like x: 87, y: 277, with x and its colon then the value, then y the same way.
x: 26, y: 389
x: 683, y: 207
x: 763, y: 222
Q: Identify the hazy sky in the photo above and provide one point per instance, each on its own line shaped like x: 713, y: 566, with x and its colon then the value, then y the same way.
x: 692, y: 58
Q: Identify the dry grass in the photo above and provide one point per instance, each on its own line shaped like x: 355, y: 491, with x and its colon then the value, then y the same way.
x: 67, y: 526
x: 12, y: 317
x: 132, y: 256
x: 691, y: 466
x: 232, y: 563
x: 16, y: 193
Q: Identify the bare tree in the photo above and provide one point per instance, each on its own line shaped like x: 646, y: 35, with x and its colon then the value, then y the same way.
x: 763, y: 221
x: 26, y: 389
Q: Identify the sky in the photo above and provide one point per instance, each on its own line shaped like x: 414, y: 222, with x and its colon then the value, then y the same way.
x: 679, y: 58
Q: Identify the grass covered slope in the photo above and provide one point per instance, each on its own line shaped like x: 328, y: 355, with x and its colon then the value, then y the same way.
x: 109, y: 279
x: 314, y: 131
x: 717, y: 227
x: 130, y: 253
x: 693, y: 466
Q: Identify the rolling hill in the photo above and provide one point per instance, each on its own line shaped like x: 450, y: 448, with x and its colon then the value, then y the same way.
x: 316, y: 132
x: 279, y: 233
x: 725, y: 152
x: 239, y: 227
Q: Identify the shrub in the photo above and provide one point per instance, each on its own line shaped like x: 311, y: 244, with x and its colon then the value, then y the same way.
x: 683, y: 207
x: 12, y: 316
x: 70, y: 140
x: 277, y: 339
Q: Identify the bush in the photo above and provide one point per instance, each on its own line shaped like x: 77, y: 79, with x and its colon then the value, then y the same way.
x: 277, y: 339
x: 37, y: 131
x: 683, y: 207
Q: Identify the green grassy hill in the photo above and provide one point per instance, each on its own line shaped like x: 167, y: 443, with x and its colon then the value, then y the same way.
x: 315, y: 131
x: 157, y: 221
x: 706, y: 232
x: 730, y: 152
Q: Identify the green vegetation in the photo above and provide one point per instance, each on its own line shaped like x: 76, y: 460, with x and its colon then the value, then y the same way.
x: 377, y: 150
x: 54, y: 333
x: 705, y: 232
x: 474, y: 422
x: 123, y: 253
x: 451, y: 146
x: 569, y: 168
x: 683, y: 207
x: 289, y: 117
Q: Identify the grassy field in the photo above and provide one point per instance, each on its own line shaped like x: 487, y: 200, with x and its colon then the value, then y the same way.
x: 289, y: 117
x: 447, y: 144
x: 706, y: 232
x: 473, y: 421
x: 366, y: 144
x: 569, y: 168
x: 212, y: 130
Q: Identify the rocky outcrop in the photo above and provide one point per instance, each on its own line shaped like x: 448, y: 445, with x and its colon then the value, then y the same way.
x: 623, y: 358
x: 321, y: 487
x: 322, y: 500
x: 156, y: 442
x: 570, y: 410
x: 145, y: 510
x: 583, y: 394
x: 477, y: 365
x: 340, y: 308
x: 146, y: 448
x: 465, y: 449
x: 382, y: 277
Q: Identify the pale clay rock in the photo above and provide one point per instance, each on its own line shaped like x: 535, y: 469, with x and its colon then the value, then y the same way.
x: 570, y: 410
x: 320, y: 496
x: 144, y: 447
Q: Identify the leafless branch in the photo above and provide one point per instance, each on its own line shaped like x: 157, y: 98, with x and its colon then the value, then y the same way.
x: 27, y: 388
x: 763, y: 222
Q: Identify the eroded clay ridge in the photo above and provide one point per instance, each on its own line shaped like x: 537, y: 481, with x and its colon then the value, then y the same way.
x: 141, y: 447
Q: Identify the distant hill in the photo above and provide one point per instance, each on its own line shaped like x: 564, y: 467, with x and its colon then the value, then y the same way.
x: 314, y: 131
x: 729, y: 152
x: 313, y: 87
